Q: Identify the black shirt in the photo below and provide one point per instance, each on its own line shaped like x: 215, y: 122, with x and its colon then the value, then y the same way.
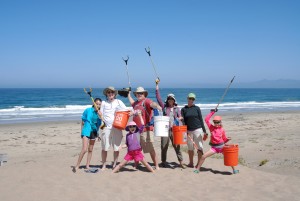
x: 193, y: 118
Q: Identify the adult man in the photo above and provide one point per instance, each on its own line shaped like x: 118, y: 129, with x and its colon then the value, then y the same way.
x: 111, y: 135
x: 145, y: 105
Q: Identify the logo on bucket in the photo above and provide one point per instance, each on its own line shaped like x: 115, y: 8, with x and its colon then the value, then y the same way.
x: 184, y: 137
x: 119, y: 118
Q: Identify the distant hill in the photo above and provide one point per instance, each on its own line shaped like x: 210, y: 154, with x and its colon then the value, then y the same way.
x: 281, y: 83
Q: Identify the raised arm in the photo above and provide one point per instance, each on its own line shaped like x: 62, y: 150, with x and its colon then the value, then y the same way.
x: 207, y: 118
x: 131, y: 101
x: 158, y: 97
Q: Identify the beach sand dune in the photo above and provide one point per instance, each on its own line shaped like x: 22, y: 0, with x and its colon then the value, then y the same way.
x: 40, y: 156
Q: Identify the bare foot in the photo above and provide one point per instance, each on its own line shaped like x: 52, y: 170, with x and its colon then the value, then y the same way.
x: 114, y: 165
x: 103, y: 167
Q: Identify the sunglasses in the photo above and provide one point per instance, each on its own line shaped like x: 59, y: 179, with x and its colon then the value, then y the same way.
x: 110, y: 92
x: 131, y: 126
x: 140, y: 93
x: 217, y: 122
x: 191, y: 99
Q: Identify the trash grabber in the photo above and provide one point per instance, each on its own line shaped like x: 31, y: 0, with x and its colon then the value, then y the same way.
x: 95, y: 106
x: 124, y: 92
x: 126, y: 61
x: 224, y: 93
x: 195, y: 146
x: 149, y: 53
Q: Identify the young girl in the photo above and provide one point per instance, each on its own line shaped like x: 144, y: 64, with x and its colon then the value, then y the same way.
x: 133, y: 145
x: 217, y: 140
x: 89, y: 132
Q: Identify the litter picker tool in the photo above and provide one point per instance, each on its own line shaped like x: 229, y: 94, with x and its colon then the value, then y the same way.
x: 224, y: 93
x: 195, y: 146
x: 95, y: 106
x: 126, y: 61
x: 124, y: 92
x: 149, y: 53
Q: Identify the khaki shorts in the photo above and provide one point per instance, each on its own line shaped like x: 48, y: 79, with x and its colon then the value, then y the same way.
x: 196, y: 136
x: 147, y: 141
x: 111, y: 137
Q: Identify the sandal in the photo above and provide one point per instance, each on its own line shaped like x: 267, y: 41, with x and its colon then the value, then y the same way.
x: 92, y: 170
x: 235, y: 171
x: 196, y: 171
x: 163, y: 164
x: 190, y: 166
x: 183, y: 166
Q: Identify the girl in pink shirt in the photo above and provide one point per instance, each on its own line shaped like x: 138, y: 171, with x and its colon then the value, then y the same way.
x: 218, y: 139
x: 134, y: 149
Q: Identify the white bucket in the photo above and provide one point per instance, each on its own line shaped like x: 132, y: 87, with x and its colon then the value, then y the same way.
x: 161, y: 126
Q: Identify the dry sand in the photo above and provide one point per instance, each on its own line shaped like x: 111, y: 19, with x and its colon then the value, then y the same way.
x: 41, y: 156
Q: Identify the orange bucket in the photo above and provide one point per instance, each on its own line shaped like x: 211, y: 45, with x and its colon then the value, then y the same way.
x: 121, y: 119
x: 179, y: 134
x: 231, y: 155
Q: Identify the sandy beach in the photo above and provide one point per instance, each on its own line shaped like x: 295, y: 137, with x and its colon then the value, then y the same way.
x: 40, y: 157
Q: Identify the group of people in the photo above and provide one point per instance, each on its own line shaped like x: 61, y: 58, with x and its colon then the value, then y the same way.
x: 140, y: 136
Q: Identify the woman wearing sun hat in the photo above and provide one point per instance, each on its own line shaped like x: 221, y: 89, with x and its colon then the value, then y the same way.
x: 111, y: 136
x: 171, y: 110
x: 145, y: 105
x: 192, y: 117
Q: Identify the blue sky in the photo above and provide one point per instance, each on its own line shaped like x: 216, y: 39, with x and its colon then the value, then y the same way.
x: 194, y: 43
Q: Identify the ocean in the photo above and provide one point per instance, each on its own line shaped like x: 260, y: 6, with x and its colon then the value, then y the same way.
x: 49, y: 104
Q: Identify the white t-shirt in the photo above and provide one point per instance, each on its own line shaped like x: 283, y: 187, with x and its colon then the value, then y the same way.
x: 108, y: 110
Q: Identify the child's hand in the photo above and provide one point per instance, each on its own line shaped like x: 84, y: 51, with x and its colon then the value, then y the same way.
x: 205, y: 136
x: 229, y: 138
x: 99, y: 139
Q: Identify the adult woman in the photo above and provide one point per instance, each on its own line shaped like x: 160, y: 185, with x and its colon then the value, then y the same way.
x: 171, y: 110
x: 111, y: 136
x: 192, y: 117
x: 89, y: 132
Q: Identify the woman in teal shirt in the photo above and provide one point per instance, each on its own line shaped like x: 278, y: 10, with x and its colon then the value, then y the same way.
x: 89, y: 132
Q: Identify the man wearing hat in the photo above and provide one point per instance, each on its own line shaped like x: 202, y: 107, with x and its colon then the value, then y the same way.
x: 145, y: 105
x: 111, y: 135
x: 192, y: 117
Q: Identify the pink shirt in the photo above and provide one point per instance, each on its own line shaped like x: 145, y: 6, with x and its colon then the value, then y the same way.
x: 218, y: 136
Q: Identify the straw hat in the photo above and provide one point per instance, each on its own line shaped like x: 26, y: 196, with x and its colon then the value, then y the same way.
x: 110, y: 89
x: 131, y: 123
x: 141, y: 90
